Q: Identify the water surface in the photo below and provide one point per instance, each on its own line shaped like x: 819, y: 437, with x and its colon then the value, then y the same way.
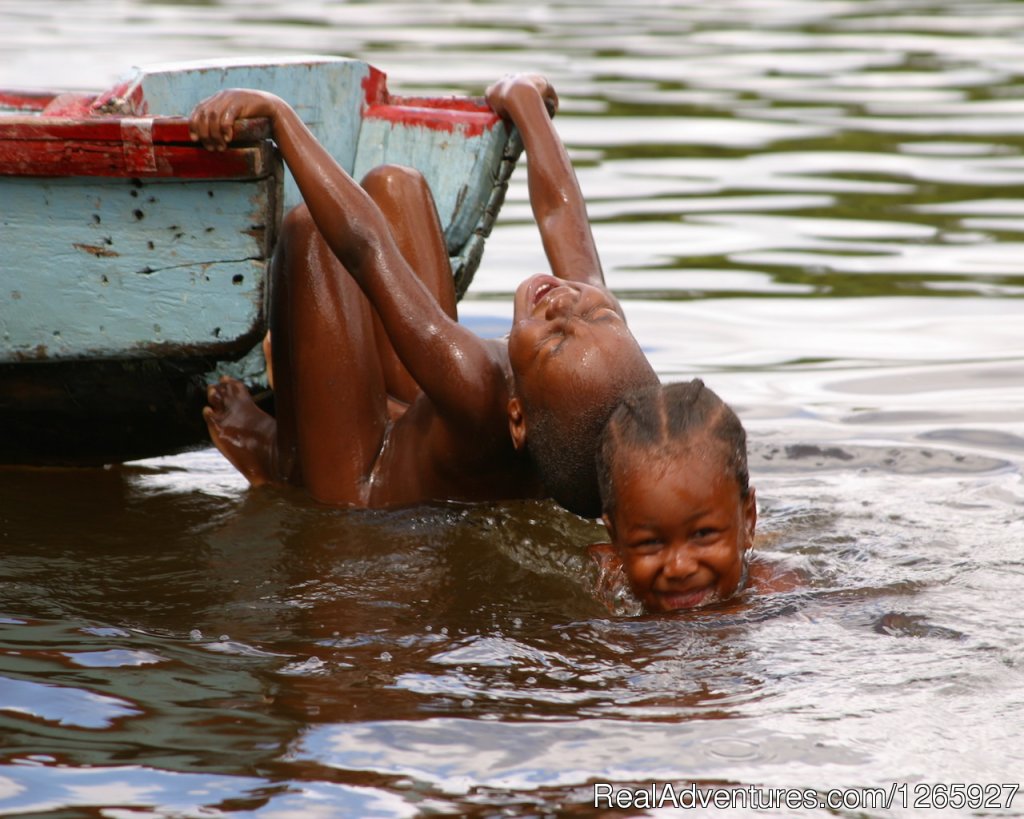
x: 813, y: 206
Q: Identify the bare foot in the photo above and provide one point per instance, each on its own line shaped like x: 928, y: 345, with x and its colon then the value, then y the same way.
x: 243, y: 432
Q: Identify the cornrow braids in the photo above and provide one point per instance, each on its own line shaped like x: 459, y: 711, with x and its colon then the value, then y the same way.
x: 659, y: 417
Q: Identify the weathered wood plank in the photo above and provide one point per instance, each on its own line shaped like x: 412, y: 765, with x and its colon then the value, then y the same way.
x: 28, y: 100
x: 172, y: 130
x: 43, y: 158
x: 459, y: 153
x: 328, y: 94
x: 127, y: 146
x: 122, y: 269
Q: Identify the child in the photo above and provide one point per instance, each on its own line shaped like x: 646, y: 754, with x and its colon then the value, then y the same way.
x: 381, y: 396
x: 676, y: 498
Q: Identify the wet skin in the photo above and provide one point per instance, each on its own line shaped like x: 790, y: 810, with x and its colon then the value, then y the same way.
x: 680, y: 529
x: 411, y: 405
x: 569, y: 343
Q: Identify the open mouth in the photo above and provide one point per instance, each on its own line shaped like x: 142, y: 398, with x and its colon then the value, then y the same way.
x: 541, y: 287
x: 687, y: 600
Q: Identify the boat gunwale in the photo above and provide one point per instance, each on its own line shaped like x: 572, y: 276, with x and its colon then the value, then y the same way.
x: 27, y: 140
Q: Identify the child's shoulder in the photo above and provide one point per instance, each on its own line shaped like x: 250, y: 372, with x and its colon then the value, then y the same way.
x: 767, y: 576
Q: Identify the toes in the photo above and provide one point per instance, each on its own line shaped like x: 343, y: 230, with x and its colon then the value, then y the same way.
x: 233, y: 389
x: 215, y: 398
x: 224, y: 393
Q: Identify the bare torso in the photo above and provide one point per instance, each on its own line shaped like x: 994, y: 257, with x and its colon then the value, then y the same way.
x: 425, y: 457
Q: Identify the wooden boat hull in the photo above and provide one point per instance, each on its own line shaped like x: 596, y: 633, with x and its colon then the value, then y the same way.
x: 135, y: 267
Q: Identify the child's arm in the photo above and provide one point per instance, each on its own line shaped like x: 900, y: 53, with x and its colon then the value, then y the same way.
x: 558, y: 205
x: 452, y: 365
x: 347, y: 217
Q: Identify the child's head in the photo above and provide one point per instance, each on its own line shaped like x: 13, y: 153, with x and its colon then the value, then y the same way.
x: 675, y: 494
x: 573, y: 358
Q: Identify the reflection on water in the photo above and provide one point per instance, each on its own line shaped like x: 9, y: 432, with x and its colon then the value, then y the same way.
x: 172, y: 645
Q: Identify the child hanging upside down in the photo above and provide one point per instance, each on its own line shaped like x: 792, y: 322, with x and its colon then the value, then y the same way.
x: 677, y: 500
x: 381, y: 396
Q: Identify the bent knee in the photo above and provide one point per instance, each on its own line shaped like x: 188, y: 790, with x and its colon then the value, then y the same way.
x: 297, y: 221
x: 298, y: 233
x: 394, y: 182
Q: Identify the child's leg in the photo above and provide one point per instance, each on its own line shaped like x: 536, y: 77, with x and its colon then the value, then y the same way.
x: 404, y: 197
x: 330, y: 407
x: 333, y: 364
x: 329, y: 398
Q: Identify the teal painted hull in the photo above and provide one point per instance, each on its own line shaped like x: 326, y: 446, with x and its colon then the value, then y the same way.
x: 135, y: 271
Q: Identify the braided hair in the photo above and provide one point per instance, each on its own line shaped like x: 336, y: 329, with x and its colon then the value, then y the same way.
x: 660, y: 417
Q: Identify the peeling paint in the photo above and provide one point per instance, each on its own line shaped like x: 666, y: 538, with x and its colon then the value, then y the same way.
x: 468, y: 124
x: 375, y: 87
x: 96, y: 250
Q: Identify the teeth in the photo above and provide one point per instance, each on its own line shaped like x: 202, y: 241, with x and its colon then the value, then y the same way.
x: 543, y: 290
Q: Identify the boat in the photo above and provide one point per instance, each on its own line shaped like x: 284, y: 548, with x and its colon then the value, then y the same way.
x: 134, y: 266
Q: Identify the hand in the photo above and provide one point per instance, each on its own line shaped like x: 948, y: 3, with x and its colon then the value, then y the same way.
x: 212, y: 121
x: 500, y: 94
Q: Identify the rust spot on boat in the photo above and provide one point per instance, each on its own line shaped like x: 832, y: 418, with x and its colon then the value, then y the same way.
x: 38, y: 353
x: 96, y: 250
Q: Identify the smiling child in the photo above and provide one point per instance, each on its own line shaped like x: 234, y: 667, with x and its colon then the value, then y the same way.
x: 676, y: 498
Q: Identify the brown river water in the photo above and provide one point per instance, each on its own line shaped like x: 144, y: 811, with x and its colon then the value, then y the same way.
x: 816, y: 207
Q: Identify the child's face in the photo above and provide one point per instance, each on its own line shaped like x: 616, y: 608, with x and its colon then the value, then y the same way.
x: 680, y: 528
x: 566, y: 337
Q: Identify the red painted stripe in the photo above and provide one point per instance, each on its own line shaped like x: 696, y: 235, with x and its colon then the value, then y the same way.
x: 50, y: 158
x: 375, y: 87
x: 470, y: 122
x: 471, y: 104
x: 108, y: 129
x: 26, y: 100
